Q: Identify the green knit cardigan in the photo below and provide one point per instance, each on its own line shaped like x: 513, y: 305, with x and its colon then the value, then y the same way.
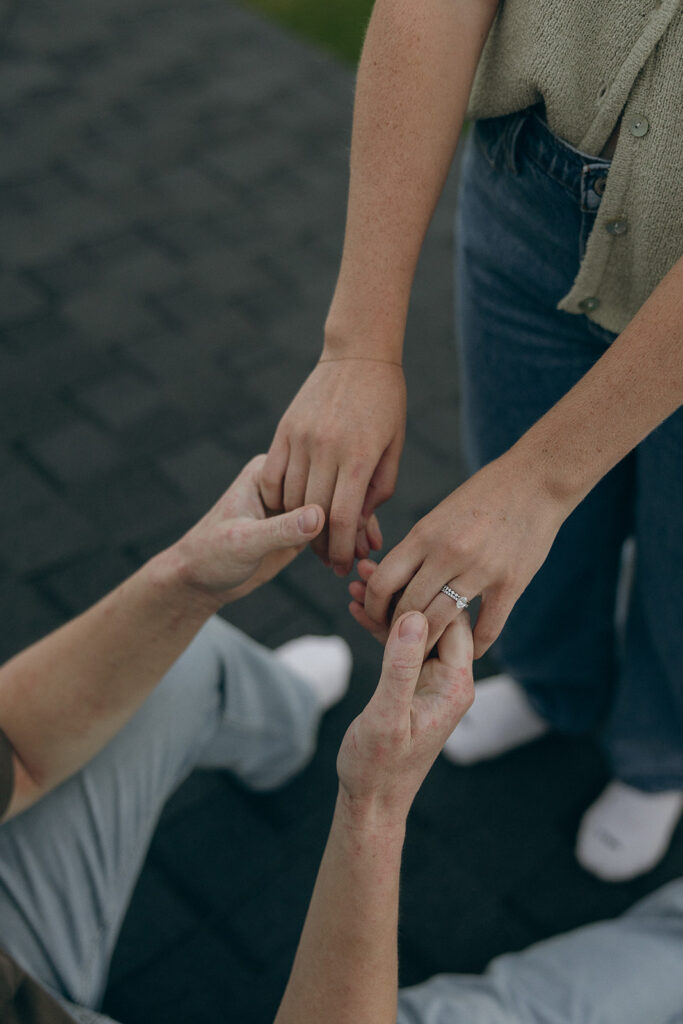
x: 590, y: 61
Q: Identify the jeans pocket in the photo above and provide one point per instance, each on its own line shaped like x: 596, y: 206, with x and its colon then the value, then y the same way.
x: 489, y: 136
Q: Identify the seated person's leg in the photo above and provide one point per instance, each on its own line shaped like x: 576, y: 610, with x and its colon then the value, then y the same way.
x: 624, y: 971
x: 274, y: 698
x: 68, y: 864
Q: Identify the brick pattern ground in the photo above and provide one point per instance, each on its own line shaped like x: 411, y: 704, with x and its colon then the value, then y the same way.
x: 172, y: 180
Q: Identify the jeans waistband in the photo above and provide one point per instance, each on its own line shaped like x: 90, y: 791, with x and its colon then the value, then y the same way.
x: 526, y: 133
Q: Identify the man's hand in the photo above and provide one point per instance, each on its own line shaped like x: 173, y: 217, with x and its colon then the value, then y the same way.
x: 488, y: 538
x: 338, y: 446
x: 236, y: 547
x: 390, y: 747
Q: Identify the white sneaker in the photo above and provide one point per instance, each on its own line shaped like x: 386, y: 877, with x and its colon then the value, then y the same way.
x: 627, y: 831
x: 500, y: 719
x: 325, y: 662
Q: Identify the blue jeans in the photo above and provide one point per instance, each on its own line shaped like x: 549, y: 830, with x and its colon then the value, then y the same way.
x: 69, y: 864
x: 527, y: 205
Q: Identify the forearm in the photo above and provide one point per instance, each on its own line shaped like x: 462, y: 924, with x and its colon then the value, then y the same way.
x: 413, y: 85
x: 62, y: 699
x: 632, y: 388
x: 345, y: 971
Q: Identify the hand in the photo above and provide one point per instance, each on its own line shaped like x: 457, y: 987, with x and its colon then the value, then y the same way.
x: 358, y: 590
x: 388, y: 750
x: 235, y: 547
x: 338, y: 446
x: 488, y: 537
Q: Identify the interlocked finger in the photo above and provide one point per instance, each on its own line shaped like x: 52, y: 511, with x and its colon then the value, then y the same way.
x: 451, y: 600
x: 320, y: 491
x: 294, y: 489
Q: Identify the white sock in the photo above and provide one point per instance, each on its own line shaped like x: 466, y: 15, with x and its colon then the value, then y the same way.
x: 500, y: 719
x: 325, y: 663
x: 627, y: 831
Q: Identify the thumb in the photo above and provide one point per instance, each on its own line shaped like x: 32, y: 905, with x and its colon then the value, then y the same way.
x: 291, y: 529
x: 403, y: 659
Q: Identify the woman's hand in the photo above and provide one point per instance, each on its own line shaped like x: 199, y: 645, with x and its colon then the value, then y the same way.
x: 388, y: 750
x: 338, y: 446
x: 489, y: 538
x: 237, y: 546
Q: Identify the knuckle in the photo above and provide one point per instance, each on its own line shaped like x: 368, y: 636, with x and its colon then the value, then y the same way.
x: 374, y: 587
x: 455, y: 547
x: 419, y: 532
x: 269, y: 476
x: 464, y: 696
x: 458, y: 686
x: 357, y: 465
x: 322, y: 442
x: 486, y: 633
x: 384, y: 492
x: 341, y: 519
x: 393, y: 735
x: 404, y: 667
x: 235, y: 535
x: 270, y: 485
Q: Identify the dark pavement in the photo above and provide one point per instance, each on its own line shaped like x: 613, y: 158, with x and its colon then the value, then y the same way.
x: 172, y: 188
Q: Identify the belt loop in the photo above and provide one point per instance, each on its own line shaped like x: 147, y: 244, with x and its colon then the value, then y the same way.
x: 513, y: 129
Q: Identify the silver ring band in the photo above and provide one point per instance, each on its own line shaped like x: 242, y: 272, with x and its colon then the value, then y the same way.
x: 461, y: 602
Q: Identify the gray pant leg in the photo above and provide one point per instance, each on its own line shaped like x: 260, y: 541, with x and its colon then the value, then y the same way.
x: 625, y: 971
x: 69, y: 864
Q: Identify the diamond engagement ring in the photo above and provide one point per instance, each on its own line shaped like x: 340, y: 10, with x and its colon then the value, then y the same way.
x: 461, y: 602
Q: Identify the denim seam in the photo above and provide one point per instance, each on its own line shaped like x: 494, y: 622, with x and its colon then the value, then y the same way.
x: 571, y: 192
x: 484, y: 149
x: 513, y: 132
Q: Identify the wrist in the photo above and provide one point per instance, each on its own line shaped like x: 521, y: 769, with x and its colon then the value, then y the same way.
x: 173, y: 575
x: 371, y: 817
x: 547, y: 473
x: 363, y: 338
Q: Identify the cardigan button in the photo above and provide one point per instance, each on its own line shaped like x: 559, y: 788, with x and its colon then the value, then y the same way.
x: 617, y: 226
x: 589, y: 304
x: 639, y: 126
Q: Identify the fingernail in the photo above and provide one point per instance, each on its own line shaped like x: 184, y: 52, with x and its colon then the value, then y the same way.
x: 340, y: 570
x: 412, y: 627
x: 308, y: 520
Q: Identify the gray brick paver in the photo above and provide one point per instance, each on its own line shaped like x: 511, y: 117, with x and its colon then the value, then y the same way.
x: 172, y: 194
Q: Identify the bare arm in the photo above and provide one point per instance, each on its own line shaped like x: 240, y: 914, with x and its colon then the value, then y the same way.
x: 340, y: 441
x: 494, y: 532
x: 63, y: 698
x: 345, y: 970
x: 413, y: 86
x: 346, y: 966
x: 633, y: 388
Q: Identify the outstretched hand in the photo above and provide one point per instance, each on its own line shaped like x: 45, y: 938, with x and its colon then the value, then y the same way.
x: 489, y: 538
x: 237, y: 546
x: 388, y: 750
x: 338, y: 446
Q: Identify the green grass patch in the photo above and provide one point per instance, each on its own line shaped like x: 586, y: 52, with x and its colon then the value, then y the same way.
x: 337, y: 25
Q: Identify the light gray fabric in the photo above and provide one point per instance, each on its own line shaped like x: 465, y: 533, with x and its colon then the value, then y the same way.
x: 589, y: 62
x: 69, y: 864
x: 625, y: 971
x: 82, y: 1015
